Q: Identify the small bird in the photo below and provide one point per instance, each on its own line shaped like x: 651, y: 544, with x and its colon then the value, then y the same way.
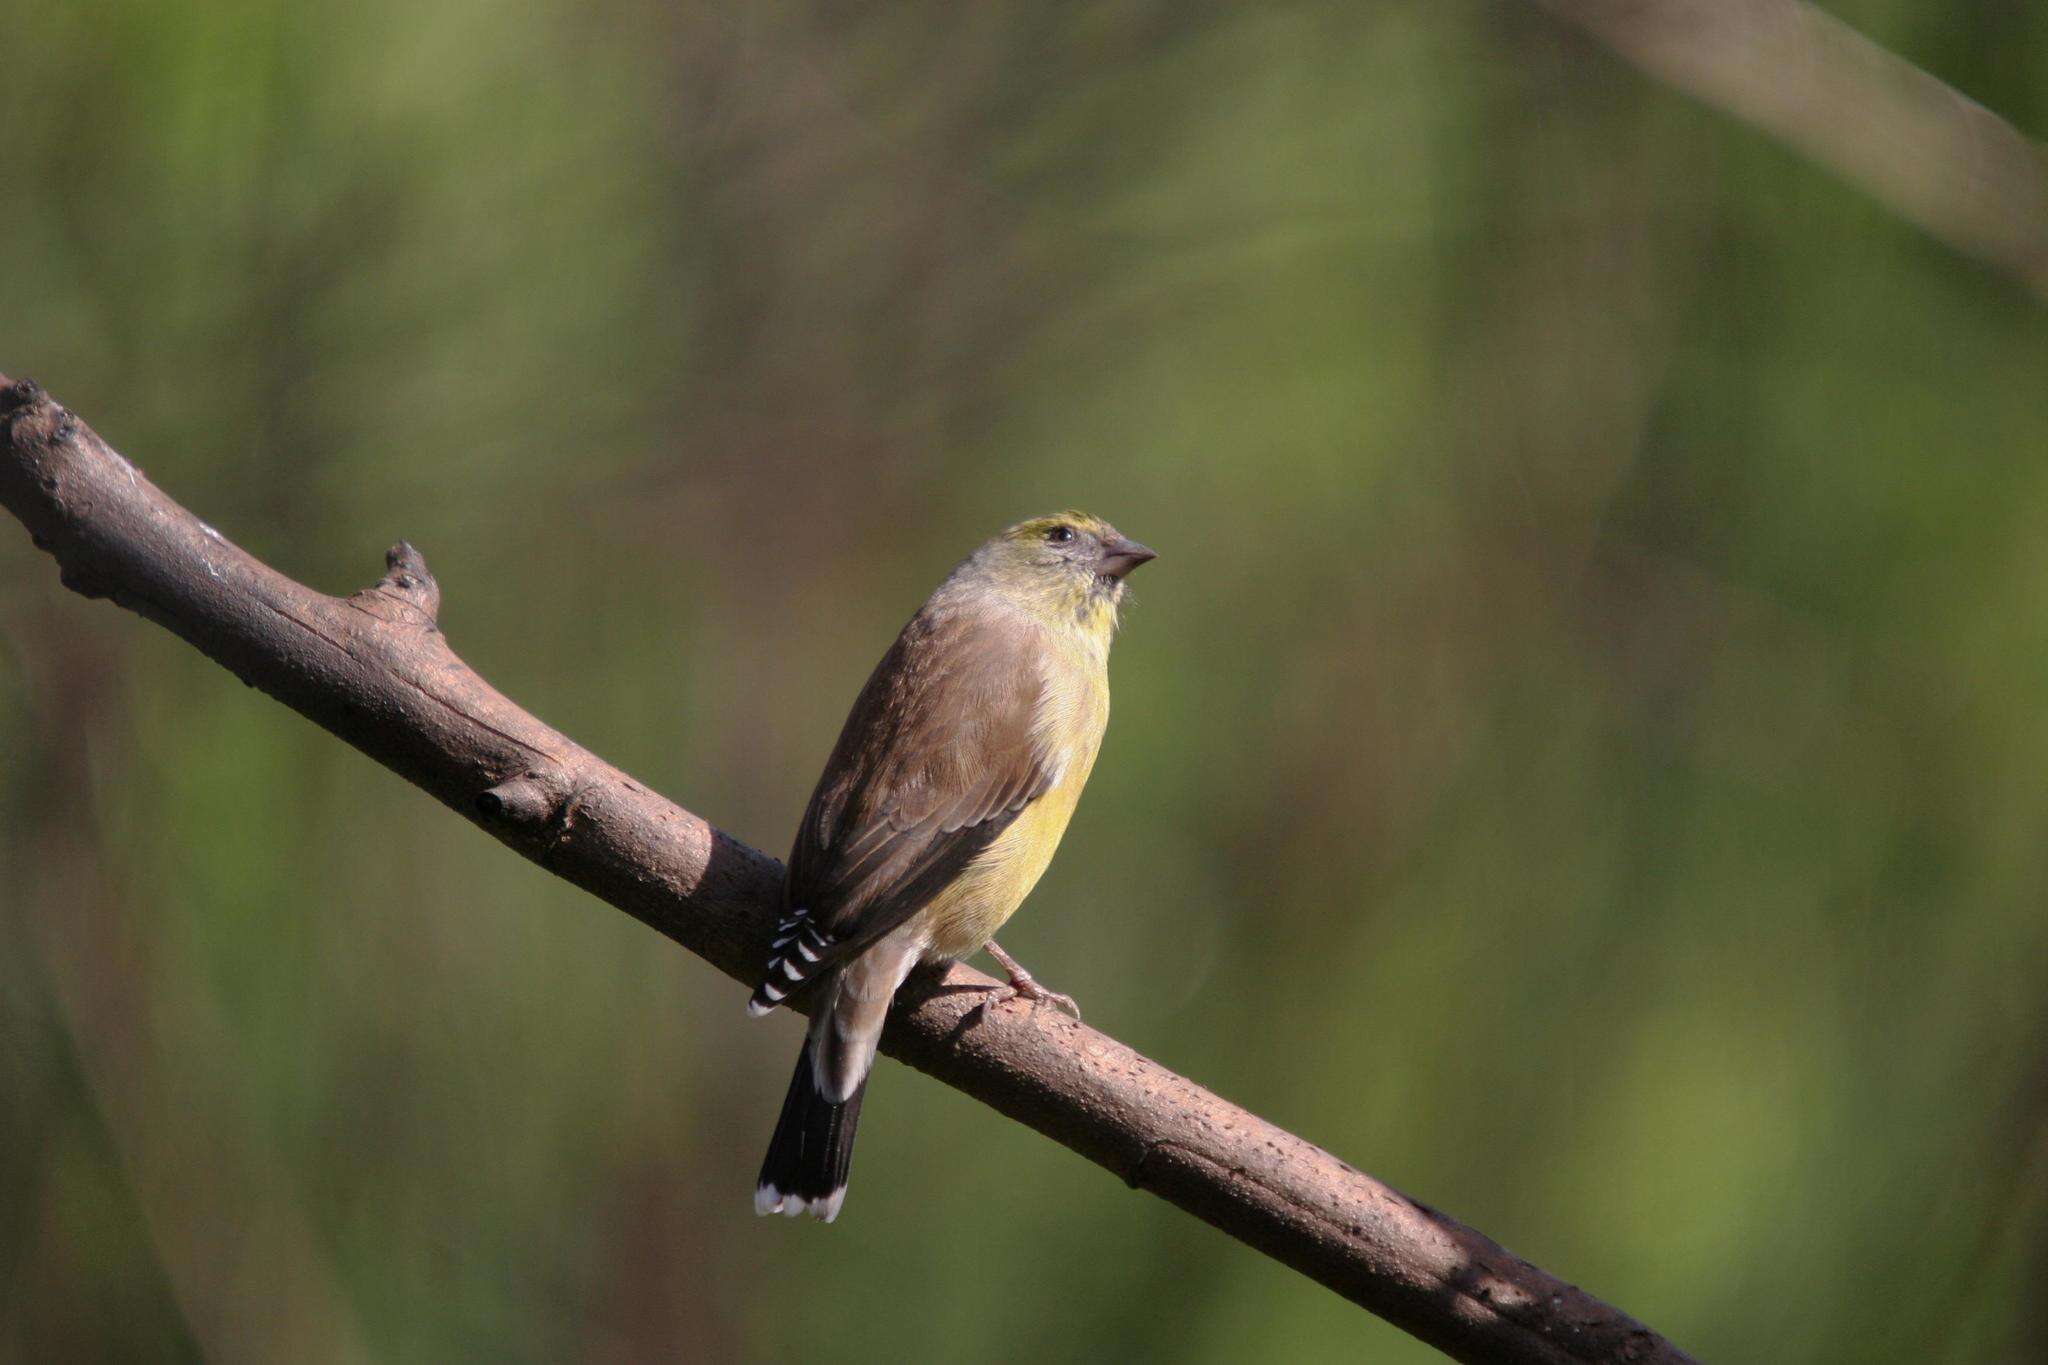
x: 941, y: 805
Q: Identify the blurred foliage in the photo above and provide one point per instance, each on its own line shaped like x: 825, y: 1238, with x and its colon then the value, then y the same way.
x: 1579, y: 756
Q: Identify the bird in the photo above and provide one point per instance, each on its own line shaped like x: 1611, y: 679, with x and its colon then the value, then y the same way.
x: 940, y: 807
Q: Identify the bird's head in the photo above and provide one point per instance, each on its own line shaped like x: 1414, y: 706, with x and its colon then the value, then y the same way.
x: 1068, y: 564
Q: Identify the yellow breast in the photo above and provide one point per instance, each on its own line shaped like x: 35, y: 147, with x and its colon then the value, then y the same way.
x: 1072, y: 714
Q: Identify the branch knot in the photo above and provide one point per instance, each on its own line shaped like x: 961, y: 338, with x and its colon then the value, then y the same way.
x: 16, y: 396
x: 29, y: 416
x: 527, y: 802
x: 407, y: 594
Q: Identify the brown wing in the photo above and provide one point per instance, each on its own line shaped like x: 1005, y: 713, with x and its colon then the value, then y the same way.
x: 936, y: 760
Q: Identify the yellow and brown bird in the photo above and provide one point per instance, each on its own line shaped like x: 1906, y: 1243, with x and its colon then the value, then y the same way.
x: 940, y: 807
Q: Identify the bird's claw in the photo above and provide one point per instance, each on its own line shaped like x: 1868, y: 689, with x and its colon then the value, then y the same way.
x: 1026, y: 988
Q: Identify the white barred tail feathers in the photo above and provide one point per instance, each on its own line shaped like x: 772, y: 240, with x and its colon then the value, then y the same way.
x: 793, y: 957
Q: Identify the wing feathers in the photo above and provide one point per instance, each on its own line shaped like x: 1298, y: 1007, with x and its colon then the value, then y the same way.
x: 938, y: 757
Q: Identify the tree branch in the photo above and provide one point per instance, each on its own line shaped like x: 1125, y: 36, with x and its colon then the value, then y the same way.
x: 374, y: 669
x: 1934, y: 156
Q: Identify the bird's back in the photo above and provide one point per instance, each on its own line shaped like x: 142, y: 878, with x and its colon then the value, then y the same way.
x: 938, y: 758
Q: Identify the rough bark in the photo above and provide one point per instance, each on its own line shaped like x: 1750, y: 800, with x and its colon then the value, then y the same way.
x: 374, y: 669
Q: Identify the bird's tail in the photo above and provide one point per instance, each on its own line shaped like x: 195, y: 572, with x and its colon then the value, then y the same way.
x: 812, y: 1150
x: 813, y: 1144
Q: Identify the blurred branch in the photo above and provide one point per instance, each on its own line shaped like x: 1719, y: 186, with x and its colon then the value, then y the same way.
x: 1936, y: 157
x: 374, y: 669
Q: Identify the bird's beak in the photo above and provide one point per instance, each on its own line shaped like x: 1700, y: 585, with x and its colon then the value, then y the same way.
x: 1120, y: 555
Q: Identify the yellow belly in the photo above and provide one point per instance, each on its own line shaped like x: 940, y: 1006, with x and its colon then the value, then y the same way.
x: 968, y: 913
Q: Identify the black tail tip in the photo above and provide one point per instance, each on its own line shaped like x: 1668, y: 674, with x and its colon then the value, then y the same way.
x: 812, y: 1150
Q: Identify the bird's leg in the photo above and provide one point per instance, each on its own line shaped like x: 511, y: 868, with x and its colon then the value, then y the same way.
x: 1024, y: 984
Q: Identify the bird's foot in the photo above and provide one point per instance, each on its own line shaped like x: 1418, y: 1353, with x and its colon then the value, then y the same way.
x: 1029, y: 989
x: 1024, y: 986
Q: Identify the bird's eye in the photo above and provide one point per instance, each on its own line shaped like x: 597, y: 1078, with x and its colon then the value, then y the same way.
x: 1060, y: 535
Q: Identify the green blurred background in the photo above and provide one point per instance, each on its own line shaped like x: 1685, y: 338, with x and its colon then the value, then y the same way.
x: 1580, y: 755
